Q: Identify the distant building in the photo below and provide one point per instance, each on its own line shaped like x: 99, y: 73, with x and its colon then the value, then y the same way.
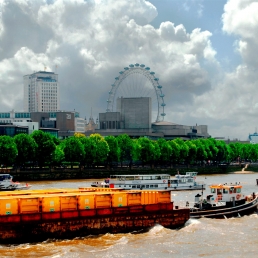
x: 133, y: 117
x: 91, y: 126
x: 41, y: 92
x: 12, y: 130
x: 253, y: 138
x: 61, y: 123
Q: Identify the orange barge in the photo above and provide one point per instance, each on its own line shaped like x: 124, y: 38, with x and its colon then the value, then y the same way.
x: 30, y: 216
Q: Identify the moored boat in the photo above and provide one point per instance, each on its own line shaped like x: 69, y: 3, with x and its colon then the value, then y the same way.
x: 154, y: 181
x: 224, y: 201
x: 7, y: 184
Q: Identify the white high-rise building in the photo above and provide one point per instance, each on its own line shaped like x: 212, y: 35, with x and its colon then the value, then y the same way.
x: 41, y: 92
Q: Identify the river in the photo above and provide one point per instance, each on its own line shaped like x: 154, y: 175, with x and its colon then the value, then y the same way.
x: 235, y: 237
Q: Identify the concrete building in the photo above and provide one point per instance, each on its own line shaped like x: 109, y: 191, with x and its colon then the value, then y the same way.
x: 66, y: 122
x: 133, y: 117
x: 131, y: 113
x: 135, y: 112
x: 41, y: 92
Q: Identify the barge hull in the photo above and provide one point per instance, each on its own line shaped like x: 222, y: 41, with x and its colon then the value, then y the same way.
x: 35, y: 227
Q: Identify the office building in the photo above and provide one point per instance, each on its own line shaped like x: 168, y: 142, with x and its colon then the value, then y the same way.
x: 41, y: 92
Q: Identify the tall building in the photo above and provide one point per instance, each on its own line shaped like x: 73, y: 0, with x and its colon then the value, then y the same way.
x: 41, y: 92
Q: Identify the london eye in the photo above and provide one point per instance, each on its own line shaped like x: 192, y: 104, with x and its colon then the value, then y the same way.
x: 135, y: 81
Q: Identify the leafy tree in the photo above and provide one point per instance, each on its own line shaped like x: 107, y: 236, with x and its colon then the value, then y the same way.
x: 147, y: 150
x: 175, y: 151
x: 157, y: 152
x: 8, y: 150
x: 201, y: 153
x: 45, y: 146
x: 183, y: 149
x: 73, y: 150
x: 165, y: 150
x: 114, y: 150
x: 90, y: 149
x: 102, y: 148
x: 26, y: 147
x: 213, y: 150
x: 236, y: 150
x: 58, y: 155
x: 192, y: 150
x: 126, y: 148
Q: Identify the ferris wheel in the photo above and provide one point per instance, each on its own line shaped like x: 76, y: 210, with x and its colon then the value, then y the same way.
x: 138, y: 81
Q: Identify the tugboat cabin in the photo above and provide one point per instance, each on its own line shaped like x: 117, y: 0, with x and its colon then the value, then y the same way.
x: 222, y: 194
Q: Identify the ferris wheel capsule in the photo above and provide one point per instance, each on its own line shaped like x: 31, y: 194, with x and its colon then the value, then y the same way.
x: 121, y: 72
x: 136, y: 65
x: 159, y: 86
x: 131, y: 65
x: 152, y: 73
x: 117, y: 78
x: 126, y: 68
x: 147, y: 68
x: 142, y: 65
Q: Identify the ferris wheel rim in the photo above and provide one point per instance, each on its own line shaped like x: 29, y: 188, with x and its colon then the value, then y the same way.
x: 150, y: 75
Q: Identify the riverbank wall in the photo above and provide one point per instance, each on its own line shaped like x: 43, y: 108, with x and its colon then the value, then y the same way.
x: 32, y: 174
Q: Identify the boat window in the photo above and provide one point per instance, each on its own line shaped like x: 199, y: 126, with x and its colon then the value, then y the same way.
x: 121, y: 178
x: 165, y: 177
x: 190, y: 180
x: 143, y: 186
x: 147, y: 186
x: 138, y: 178
x: 213, y: 190
x: 156, y: 186
x: 231, y: 190
x: 133, y: 186
x: 157, y: 177
x: 130, y: 178
x: 219, y: 191
x: 146, y: 177
x: 138, y: 186
x: 174, y: 181
x: 225, y: 191
x: 238, y: 190
x: 182, y: 181
x: 151, y: 186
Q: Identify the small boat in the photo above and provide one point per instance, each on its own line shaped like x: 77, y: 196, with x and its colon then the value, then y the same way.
x: 154, y: 181
x: 7, y: 184
x: 224, y: 201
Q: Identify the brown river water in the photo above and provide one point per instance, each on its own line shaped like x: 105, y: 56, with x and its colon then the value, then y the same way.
x: 235, y: 237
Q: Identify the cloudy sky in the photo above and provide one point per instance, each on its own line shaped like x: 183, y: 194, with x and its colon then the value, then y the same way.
x: 203, y: 51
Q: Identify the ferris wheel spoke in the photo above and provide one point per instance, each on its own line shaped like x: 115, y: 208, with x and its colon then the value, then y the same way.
x: 137, y: 81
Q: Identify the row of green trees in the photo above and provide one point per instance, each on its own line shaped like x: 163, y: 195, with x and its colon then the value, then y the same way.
x: 41, y: 148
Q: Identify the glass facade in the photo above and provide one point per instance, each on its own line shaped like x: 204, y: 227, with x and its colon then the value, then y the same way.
x: 22, y: 115
x: 13, y: 130
x: 4, y: 115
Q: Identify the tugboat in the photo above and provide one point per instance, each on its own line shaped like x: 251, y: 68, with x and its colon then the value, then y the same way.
x: 154, y: 181
x: 224, y: 201
x: 7, y: 184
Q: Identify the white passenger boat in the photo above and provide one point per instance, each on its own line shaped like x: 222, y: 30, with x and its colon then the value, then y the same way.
x: 7, y: 184
x: 154, y: 181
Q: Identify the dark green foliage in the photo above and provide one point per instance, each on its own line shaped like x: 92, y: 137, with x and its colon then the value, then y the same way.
x: 26, y: 147
x: 8, y: 150
x: 45, y: 146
